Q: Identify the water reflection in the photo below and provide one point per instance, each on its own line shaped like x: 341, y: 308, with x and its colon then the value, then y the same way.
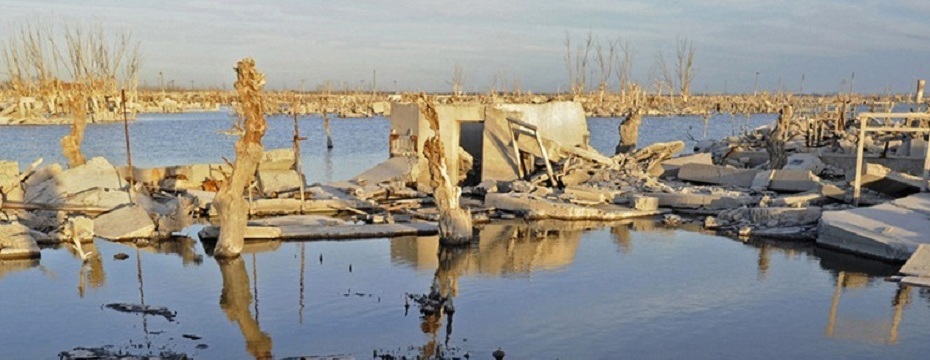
x: 91, y: 272
x: 235, y: 300
x: 504, y: 249
x: 10, y: 266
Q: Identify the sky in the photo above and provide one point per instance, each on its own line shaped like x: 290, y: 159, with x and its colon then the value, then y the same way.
x: 416, y: 44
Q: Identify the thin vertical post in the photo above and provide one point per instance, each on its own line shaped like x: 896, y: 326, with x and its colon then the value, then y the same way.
x: 300, y: 173
x: 128, y: 149
x: 857, y: 185
x: 926, y: 174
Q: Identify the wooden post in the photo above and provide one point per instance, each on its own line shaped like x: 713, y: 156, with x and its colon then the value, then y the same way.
x: 926, y: 174
x: 300, y: 172
x: 920, y: 91
x: 128, y: 150
x: 860, y: 149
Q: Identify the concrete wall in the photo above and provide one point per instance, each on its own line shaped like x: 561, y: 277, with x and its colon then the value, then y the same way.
x: 563, y: 122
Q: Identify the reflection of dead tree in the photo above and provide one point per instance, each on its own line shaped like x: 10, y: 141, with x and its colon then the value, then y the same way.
x: 230, y: 205
x: 455, y: 225
x: 235, y: 300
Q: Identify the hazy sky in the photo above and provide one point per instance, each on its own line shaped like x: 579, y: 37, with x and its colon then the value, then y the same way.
x: 416, y: 43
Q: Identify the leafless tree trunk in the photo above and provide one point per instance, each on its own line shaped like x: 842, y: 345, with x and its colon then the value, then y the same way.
x: 624, y: 65
x: 458, y: 80
x: 71, y: 143
x: 455, y: 225
x: 605, y: 64
x: 684, y: 52
x: 230, y: 204
x: 577, y: 63
x: 629, y: 131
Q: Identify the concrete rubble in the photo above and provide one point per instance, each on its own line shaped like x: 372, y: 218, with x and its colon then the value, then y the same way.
x: 528, y: 161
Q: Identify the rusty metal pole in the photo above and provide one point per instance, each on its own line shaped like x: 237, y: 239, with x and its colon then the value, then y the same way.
x: 128, y: 150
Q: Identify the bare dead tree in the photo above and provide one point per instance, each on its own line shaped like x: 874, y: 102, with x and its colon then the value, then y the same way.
x: 684, y: 53
x: 662, y: 75
x: 624, y: 64
x: 576, y: 62
x: 605, y: 64
x: 455, y: 223
x: 458, y: 80
x: 230, y: 204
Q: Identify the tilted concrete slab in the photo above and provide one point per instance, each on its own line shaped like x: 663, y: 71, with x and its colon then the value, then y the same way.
x: 700, y: 201
x: 535, y: 207
x: 890, y: 231
x: 671, y: 166
x: 717, y: 175
x: 919, y: 263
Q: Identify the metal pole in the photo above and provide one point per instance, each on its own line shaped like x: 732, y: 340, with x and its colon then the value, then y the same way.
x: 128, y: 150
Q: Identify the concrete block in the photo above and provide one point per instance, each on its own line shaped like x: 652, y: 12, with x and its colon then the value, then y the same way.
x: 16, y: 242
x: 278, y: 181
x: 125, y: 223
x: 699, y: 201
x: 747, y: 158
x: 54, y: 185
x: 794, y: 181
x: 804, y: 161
x: 644, y: 203
x: 671, y: 166
x: 717, y: 175
x: 278, y: 159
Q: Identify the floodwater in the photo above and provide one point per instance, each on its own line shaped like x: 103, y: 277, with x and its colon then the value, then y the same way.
x: 546, y: 290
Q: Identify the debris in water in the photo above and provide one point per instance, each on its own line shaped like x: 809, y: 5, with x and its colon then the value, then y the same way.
x: 192, y: 337
x: 143, y: 309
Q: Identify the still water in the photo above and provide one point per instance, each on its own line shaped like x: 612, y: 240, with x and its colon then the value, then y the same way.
x: 544, y: 290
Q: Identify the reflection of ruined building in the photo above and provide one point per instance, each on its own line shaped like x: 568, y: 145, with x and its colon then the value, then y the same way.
x: 503, y: 249
x: 483, y: 133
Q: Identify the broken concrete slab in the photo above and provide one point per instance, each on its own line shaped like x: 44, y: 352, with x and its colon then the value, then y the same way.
x: 17, y: 242
x: 273, y: 182
x: 890, y: 231
x: 278, y: 159
x: 534, y: 207
x: 315, y: 231
x: 701, y: 201
x: 396, y: 169
x: 793, y: 181
x: 717, y: 175
x: 919, y: 262
x: 592, y: 194
x: 772, y: 216
x: 804, y: 161
x: 887, y: 181
x: 671, y: 166
x: 54, y: 185
x: 746, y: 158
x: 125, y: 223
